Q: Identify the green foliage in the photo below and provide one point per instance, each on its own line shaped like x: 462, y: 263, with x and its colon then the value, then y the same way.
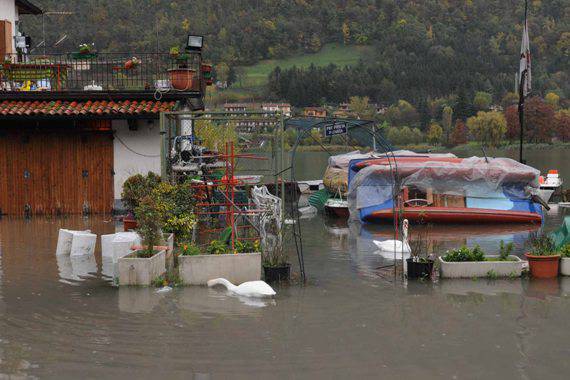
x: 542, y: 246
x: 488, y: 128
x: 482, y: 100
x: 149, y: 218
x: 176, y: 203
x: 215, y: 135
x: 505, y: 250
x: 565, y: 251
x: 217, y: 247
x: 188, y: 249
x: 465, y: 254
x: 247, y: 246
x: 492, y: 275
x: 136, y: 187
x: 434, y: 134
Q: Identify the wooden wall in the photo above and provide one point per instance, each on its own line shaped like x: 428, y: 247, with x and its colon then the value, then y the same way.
x: 55, y: 170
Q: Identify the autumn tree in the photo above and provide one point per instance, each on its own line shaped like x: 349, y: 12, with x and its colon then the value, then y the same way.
x: 459, y: 134
x: 562, y: 125
x: 552, y: 100
x: 434, y: 134
x: 447, y: 123
x: 488, y: 128
x: 513, y: 125
x: 360, y: 107
x: 539, y: 118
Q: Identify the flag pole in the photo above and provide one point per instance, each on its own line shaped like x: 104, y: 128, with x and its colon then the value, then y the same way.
x: 521, y: 95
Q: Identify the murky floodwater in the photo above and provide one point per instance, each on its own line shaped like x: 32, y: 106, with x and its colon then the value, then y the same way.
x: 64, y: 319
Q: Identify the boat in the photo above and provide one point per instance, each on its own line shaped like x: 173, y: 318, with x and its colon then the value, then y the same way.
x: 443, y: 189
x: 337, y: 207
x: 550, y: 185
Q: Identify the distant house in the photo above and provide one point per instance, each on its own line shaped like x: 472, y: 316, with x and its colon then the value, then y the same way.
x: 315, y: 112
x: 273, y: 107
x: 75, y: 126
x: 239, y: 107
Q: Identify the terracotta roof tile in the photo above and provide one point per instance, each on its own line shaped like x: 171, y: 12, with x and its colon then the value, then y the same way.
x: 72, y: 108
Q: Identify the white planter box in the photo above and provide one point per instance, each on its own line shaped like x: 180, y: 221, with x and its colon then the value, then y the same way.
x: 565, y: 266
x: 236, y: 268
x: 480, y: 268
x: 83, y: 243
x: 141, y: 271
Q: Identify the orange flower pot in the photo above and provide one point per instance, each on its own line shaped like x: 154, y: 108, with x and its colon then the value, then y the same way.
x: 543, y: 266
x: 183, y: 79
x: 129, y: 224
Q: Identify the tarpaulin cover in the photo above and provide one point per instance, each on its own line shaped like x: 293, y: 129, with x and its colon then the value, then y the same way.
x: 477, y: 179
x: 561, y: 236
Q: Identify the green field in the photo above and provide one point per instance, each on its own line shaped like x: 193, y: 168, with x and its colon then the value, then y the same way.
x: 340, y: 55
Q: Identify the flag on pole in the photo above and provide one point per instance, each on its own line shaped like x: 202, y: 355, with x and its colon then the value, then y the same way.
x: 524, y: 66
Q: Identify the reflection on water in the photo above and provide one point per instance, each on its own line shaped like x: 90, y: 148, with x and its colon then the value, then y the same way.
x: 60, y: 318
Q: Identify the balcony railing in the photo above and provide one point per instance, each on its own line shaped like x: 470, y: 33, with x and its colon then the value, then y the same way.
x: 104, y: 73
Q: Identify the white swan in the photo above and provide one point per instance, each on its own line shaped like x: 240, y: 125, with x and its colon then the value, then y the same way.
x: 247, y: 289
x: 399, y: 246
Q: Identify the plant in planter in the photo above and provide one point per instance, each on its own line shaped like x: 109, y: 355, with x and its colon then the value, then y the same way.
x: 543, y: 260
x: 134, y: 189
x: 565, y: 260
x: 420, y: 264
x: 188, y: 249
x: 182, y: 77
x: 217, y: 247
x: 468, y: 263
x: 143, y: 265
x: 177, y: 207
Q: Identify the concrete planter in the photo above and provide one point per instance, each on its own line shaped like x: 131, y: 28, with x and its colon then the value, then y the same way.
x: 565, y: 266
x: 237, y: 268
x: 480, y: 268
x: 135, y: 270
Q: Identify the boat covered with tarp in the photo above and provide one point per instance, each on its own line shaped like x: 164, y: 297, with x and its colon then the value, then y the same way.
x: 443, y: 188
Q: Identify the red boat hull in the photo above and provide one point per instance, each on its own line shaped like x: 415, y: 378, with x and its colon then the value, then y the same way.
x: 457, y: 215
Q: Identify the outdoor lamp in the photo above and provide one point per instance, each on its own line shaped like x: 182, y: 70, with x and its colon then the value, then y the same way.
x: 194, y: 42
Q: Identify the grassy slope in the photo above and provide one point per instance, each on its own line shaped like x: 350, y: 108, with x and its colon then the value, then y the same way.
x: 337, y: 54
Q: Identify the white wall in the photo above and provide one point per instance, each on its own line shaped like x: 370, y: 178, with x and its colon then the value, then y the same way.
x: 145, y: 141
x: 9, y: 12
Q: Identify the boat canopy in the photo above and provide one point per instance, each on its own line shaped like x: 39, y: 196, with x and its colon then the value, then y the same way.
x: 476, y: 182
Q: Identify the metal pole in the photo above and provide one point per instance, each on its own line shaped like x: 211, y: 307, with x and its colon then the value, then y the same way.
x: 163, y: 146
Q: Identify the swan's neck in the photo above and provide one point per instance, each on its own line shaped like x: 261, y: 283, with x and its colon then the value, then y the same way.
x: 222, y: 281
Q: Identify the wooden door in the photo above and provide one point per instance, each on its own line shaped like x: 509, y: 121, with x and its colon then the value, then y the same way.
x: 55, y: 171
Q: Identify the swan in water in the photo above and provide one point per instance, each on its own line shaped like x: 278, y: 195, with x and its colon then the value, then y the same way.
x: 247, y: 289
x: 399, y: 246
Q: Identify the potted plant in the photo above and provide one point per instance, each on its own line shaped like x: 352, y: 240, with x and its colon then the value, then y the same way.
x: 419, y: 264
x: 142, y: 266
x: 182, y: 77
x: 197, y: 266
x: 565, y: 260
x: 469, y: 263
x: 134, y: 189
x: 275, y: 265
x: 543, y: 260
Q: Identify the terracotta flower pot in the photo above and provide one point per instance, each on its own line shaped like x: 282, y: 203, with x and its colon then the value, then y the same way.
x: 182, y: 79
x: 543, y: 266
x: 129, y: 224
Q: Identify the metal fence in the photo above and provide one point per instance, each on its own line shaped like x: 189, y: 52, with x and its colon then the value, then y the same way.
x: 97, y: 72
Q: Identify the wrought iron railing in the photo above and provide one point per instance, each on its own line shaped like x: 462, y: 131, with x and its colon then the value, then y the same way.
x: 108, y: 72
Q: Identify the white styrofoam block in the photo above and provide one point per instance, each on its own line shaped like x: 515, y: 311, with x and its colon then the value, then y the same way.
x: 123, y: 242
x: 107, y: 245
x: 64, y: 239
x: 83, y: 244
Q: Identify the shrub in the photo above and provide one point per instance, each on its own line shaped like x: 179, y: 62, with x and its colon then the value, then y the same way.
x: 177, y: 205
x: 465, y: 254
x: 136, y: 187
x: 148, y: 217
x: 505, y: 250
x: 247, y: 246
x: 217, y: 247
x: 565, y: 251
x: 189, y: 249
x: 542, y: 246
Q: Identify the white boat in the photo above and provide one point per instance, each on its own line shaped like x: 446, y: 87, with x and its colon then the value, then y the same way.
x: 549, y: 185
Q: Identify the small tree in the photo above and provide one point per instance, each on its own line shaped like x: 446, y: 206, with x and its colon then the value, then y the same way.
x: 447, y: 123
x: 459, y: 134
x: 488, y: 128
x: 136, y: 187
x: 482, y: 100
x: 552, y: 99
x: 149, y: 218
x: 434, y: 134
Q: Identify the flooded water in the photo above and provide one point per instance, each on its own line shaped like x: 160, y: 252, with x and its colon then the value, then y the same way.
x: 63, y: 319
